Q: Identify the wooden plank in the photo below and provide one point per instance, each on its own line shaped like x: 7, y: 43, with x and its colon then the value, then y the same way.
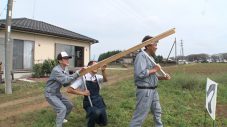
x: 132, y: 49
x: 161, y: 71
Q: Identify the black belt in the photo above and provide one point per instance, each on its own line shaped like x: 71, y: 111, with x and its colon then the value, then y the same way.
x: 146, y: 87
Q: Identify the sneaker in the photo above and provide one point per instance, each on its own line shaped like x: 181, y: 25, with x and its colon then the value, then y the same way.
x: 65, y: 121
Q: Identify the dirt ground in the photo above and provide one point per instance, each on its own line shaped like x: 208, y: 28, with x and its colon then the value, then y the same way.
x: 12, y: 109
x: 221, y: 110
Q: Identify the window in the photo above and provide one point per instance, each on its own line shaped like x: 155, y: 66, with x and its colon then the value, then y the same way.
x: 2, y: 50
x: 76, y: 52
x: 23, y: 54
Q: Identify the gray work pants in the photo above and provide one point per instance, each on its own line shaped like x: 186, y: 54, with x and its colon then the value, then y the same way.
x: 62, y: 107
x: 146, y: 100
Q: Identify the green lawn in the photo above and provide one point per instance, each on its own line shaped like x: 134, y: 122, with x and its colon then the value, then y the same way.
x: 182, y: 100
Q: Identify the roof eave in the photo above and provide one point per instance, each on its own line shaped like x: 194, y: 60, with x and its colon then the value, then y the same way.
x: 14, y: 28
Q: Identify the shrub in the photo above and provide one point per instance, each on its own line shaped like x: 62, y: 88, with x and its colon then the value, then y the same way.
x: 37, y: 70
x: 43, y: 69
x: 48, y: 65
x: 189, y: 81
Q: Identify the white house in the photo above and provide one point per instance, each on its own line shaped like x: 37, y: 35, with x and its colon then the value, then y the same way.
x: 34, y: 41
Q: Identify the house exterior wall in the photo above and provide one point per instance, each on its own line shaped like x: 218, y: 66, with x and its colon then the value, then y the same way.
x: 44, y: 45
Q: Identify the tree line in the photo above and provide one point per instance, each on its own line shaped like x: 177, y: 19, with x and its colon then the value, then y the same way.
x: 202, y: 57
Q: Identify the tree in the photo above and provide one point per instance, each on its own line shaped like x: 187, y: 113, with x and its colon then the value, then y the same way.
x: 198, y: 57
x: 158, y: 59
x: 224, y: 55
x: 108, y: 54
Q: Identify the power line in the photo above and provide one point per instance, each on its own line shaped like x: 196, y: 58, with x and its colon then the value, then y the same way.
x: 34, y: 5
x: 139, y: 15
x: 3, y: 10
x: 125, y: 9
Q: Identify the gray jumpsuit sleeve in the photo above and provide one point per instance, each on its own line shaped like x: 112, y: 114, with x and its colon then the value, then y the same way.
x: 65, y: 79
x: 140, y: 66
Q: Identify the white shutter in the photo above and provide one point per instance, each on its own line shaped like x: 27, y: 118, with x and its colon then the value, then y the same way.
x: 28, y: 54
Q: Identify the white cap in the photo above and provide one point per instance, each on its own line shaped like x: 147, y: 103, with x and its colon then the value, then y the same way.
x: 63, y: 54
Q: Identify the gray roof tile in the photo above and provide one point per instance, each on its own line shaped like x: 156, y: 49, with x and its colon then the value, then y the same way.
x: 30, y: 25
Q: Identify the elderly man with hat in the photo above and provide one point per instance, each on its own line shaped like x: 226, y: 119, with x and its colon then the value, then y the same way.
x: 60, y: 77
x: 146, y: 81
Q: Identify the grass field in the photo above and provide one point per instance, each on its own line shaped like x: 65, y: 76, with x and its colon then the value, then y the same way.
x: 182, y: 100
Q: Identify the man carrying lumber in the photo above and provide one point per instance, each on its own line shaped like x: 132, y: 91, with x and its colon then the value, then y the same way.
x: 146, y: 81
x: 60, y: 77
x: 89, y: 86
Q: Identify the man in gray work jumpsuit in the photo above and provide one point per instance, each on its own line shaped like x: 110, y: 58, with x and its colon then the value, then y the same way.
x: 58, y: 77
x: 146, y: 80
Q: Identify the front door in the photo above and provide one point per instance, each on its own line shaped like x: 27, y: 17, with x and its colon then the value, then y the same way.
x: 79, y: 56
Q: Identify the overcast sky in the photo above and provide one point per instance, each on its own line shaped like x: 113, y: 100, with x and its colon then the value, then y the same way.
x: 121, y: 24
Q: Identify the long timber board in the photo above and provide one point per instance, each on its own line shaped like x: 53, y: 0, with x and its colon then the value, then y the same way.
x: 130, y: 50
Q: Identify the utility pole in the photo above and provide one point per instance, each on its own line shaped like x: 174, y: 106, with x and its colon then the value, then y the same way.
x: 8, y: 49
x: 182, y: 50
x: 175, y: 42
x: 170, y: 52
